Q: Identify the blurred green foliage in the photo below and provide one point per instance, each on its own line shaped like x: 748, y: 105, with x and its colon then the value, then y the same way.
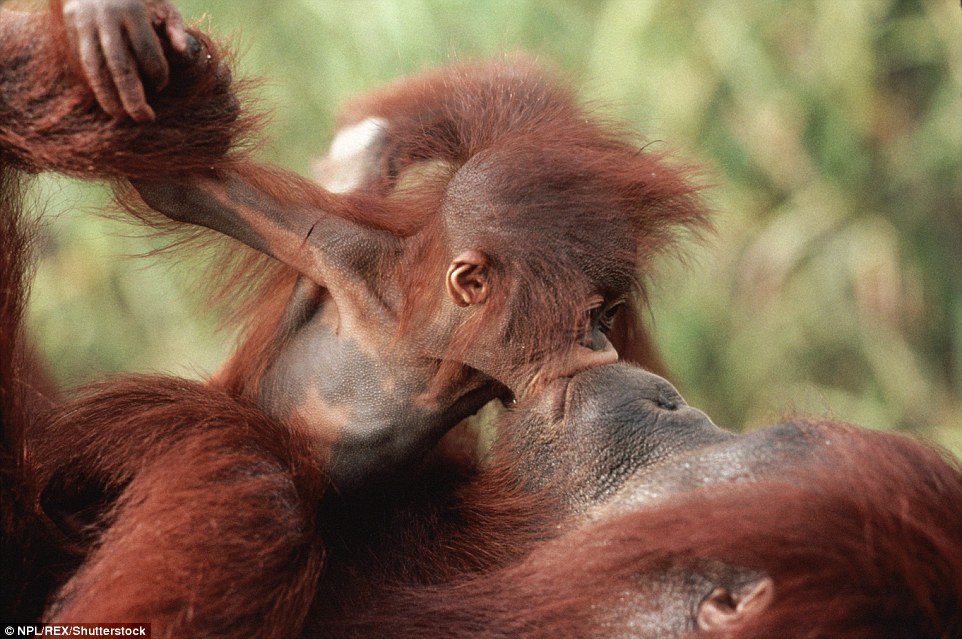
x: 830, y: 133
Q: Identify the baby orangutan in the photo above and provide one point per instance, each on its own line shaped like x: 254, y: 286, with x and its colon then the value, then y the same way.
x: 494, y: 236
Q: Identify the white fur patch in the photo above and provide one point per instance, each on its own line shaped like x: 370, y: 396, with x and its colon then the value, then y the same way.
x: 351, y: 158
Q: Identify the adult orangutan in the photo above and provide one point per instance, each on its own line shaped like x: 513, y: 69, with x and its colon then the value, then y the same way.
x: 218, y: 508
x: 611, y: 508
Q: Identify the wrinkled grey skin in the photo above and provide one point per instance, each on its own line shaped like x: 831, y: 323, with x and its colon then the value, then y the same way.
x: 617, y: 436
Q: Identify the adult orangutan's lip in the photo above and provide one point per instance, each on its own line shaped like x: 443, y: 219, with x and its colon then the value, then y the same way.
x: 553, y: 398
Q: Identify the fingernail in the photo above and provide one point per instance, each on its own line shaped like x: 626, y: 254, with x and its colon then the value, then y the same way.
x: 146, y: 114
x: 181, y: 40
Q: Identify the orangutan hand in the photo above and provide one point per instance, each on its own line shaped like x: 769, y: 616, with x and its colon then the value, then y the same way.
x: 118, y: 44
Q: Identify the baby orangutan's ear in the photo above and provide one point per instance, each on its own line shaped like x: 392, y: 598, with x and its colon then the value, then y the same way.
x: 467, y: 278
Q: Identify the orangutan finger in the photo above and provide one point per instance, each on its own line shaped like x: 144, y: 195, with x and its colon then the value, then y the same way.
x: 97, y: 74
x: 147, y: 50
x: 125, y: 76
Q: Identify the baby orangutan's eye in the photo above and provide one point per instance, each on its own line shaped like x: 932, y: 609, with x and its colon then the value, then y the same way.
x: 600, y: 317
x: 604, y: 316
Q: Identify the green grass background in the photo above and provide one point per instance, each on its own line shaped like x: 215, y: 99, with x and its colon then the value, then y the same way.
x: 831, y: 133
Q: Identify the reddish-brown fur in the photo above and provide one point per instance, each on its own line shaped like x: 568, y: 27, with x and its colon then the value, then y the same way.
x: 160, y: 499
x: 198, y: 468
